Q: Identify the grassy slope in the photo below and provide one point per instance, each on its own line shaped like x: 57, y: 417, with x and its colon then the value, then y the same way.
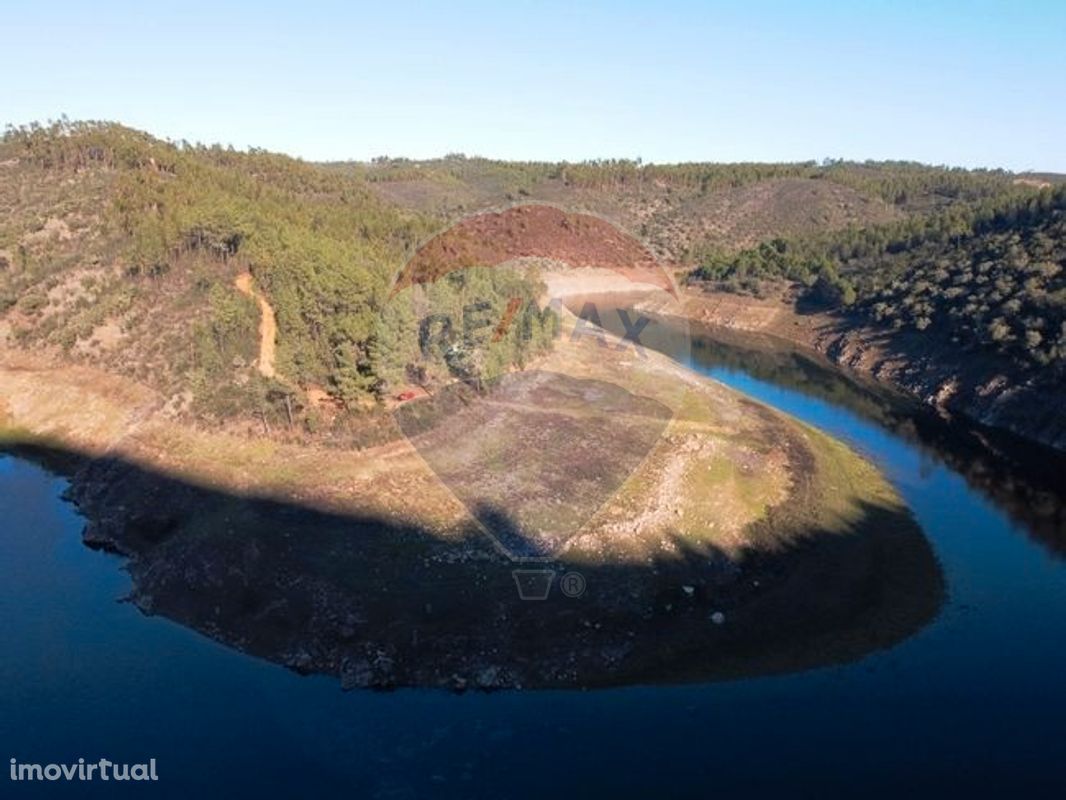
x: 722, y: 465
x: 802, y: 543
x: 165, y: 314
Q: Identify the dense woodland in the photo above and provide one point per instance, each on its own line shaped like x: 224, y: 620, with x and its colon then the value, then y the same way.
x: 320, y: 245
x: 108, y: 234
x: 991, y: 274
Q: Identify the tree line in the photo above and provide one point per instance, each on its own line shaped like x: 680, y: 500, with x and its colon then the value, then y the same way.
x: 990, y: 274
x: 323, y: 248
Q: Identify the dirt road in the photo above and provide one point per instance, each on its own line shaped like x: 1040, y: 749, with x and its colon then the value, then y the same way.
x: 268, y: 326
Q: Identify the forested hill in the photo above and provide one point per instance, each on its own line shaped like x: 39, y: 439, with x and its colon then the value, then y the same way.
x: 685, y: 210
x: 990, y: 275
x: 121, y: 250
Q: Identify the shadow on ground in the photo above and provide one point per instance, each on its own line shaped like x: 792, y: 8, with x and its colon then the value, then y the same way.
x: 383, y: 605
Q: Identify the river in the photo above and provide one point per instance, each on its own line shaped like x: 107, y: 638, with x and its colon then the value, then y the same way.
x: 974, y: 703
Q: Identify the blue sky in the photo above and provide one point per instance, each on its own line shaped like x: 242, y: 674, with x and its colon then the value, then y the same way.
x: 970, y: 83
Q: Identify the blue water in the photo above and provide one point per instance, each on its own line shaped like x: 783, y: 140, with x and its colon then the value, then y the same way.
x: 975, y: 703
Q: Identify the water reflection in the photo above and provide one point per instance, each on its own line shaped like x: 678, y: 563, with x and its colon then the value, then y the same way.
x: 1026, y: 480
x: 381, y: 605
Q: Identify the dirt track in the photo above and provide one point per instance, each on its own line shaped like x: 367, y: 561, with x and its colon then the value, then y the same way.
x: 268, y: 326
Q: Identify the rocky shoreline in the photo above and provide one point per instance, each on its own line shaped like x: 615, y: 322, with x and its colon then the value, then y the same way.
x: 231, y: 538
x: 942, y: 376
x: 384, y: 606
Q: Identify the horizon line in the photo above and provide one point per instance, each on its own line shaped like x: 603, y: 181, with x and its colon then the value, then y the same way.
x: 458, y: 155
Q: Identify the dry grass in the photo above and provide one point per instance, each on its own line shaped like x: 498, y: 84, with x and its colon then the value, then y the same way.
x: 610, y: 457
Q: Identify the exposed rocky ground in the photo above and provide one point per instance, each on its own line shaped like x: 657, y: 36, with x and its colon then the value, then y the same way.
x: 381, y: 606
x: 989, y: 390
x: 742, y: 543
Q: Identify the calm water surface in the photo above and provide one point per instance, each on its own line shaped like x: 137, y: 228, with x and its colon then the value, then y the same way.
x: 975, y: 703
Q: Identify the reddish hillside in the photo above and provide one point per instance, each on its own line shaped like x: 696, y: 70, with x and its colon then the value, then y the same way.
x: 534, y: 231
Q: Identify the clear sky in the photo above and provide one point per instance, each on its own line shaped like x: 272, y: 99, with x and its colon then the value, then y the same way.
x: 972, y: 83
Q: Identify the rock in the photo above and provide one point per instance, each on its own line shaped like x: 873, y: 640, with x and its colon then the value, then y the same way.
x: 349, y: 626
x: 299, y: 661
x: 718, y: 618
x: 489, y: 677
x: 356, y: 674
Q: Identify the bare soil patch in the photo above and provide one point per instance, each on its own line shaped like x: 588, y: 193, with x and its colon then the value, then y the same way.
x: 268, y: 326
